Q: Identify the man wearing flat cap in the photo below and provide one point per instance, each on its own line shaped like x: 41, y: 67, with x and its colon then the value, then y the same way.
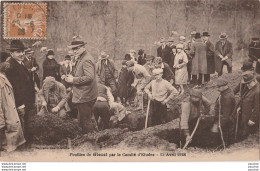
x: 192, y: 108
x: 249, y: 106
x: 32, y: 66
x: 224, y: 52
x: 224, y: 107
x: 23, y: 86
x: 159, y: 92
x: 83, y: 80
x: 107, y: 73
x: 254, y: 53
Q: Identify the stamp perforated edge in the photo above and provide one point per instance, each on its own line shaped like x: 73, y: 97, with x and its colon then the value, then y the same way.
x: 5, y: 24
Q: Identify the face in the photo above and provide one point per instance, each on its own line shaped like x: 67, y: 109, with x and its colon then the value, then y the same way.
x: 221, y: 88
x: 18, y: 55
x: 50, y: 56
x: 179, y: 50
x: 78, y: 51
x: 132, y: 54
x: 67, y: 61
x: 205, y: 38
x: 130, y: 68
x: 158, y: 76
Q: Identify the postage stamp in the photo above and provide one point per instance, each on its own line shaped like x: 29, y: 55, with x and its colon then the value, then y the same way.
x: 25, y: 20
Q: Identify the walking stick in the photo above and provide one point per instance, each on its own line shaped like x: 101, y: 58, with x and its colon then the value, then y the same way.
x: 193, y: 132
x: 147, y: 113
x: 219, y: 124
x: 142, y: 102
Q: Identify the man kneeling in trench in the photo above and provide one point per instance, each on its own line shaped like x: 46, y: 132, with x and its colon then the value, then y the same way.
x: 192, y: 107
x: 53, y: 96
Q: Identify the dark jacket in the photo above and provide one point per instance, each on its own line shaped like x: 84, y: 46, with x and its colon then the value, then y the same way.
x: 210, y: 53
x: 165, y: 54
x: 101, y: 71
x: 84, y: 81
x: 22, y: 83
x: 225, y: 104
x: 224, y: 51
x: 51, y: 68
x: 167, y: 72
x: 199, y: 59
x: 122, y: 82
x: 29, y: 64
x: 141, y: 60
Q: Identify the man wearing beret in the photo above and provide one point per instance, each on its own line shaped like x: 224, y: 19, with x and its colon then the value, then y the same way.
x: 159, y: 92
x: 23, y: 86
x: 224, y: 107
x: 192, y: 108
x: 84, y: 83
x: 249, y: 105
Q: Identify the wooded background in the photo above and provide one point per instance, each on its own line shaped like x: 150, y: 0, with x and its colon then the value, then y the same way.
x: 118, y: 26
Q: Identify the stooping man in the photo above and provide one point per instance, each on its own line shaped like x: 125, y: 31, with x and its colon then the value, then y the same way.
x: 159, y: 92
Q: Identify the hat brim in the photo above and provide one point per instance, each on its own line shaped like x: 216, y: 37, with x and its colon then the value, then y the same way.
x: 74, y: 46
x: 245, y: 82
x: 15, y: 49
x: 223, y: 37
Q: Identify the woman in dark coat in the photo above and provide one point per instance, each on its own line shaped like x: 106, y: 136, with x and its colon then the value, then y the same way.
x: 122, y: 83
x: 51, y: 66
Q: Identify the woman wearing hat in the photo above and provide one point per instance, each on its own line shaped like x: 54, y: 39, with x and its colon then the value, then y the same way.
x: 180, y: 66
x: 50, y: 66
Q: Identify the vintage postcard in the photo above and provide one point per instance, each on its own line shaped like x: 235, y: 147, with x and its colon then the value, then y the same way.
x: 158, y: 80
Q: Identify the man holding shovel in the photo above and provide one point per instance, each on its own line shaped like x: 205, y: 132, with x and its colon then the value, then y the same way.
x: 159, y: 92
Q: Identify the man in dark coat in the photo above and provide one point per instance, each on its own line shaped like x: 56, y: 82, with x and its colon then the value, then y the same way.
x: 32, y: 66
x: 23, y: 85
x: 187, y: 51
x: 224, y: 107
x: 51, y: 67
x: 254, y: 53
x: 84, y: 85
x: 224, y: 52
x: 249, y: 105
x: 210, y: 53
x: 165, y: 52
x: 107, y: 73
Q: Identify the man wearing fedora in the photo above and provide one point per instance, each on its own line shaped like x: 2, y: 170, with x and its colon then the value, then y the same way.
x: 165, y: 52
x: 223, y: 52
x: 254, y: 53
x: 210, y: 53
x: 249, y: 106
x: 199, y: 60
x: 84, y: 83
x: 22, y: 84
x: 107, y: 73
x: 32, y: 66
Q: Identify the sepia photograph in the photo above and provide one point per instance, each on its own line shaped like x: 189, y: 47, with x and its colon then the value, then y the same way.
x: 122, y: 80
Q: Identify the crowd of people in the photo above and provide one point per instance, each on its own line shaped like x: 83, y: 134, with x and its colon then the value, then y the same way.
x: 99, y: 93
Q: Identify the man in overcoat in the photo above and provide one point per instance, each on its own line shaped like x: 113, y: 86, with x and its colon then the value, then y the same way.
x: 165, y: 52
x: 223, y: 54
x: 210, y: 53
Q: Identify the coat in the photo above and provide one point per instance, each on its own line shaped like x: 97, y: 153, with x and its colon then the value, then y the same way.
x: 84, y: 81
x: 210, y: 53
x: 101, y: 72
x: 165, y: 54
x: 199, y: 59
x: 225, y: 104
x: 224, y: 51
x: 21, y: 82
x: 9, y: 119
x: 51, y: 68
x: 29, y: 64
x: 122, y: 82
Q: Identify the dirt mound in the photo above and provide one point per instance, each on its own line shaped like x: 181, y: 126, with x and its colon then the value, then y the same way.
x: 51, y: 129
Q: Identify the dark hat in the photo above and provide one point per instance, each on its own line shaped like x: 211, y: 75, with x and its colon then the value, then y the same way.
x: 247, y: 77
x: 127, y: 57
x: 104, y: 55
x: 16, y: 45
x: 223, y: 36
x: 77, y: 42
x: 255, y: 39
x: 50, y: 52
x: 4, y: 56
x: 140, y: 52
x: 197, y: 35
x: 221, y: 82
x: 149, y: 57
x: 205, y: 34
x: 67, y: 57
x: 28, y: 51
x: 247, y: 65
x: 196, y: 92
x: 130, y: 63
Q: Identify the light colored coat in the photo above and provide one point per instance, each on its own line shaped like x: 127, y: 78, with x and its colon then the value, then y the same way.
x: 9, y: 119
x: 199, y: 60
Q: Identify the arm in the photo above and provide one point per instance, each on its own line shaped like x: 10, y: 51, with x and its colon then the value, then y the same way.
x: 88, y: 73
x: 256, y: 108
x: 110, y: 97
x: 41, y: 96
x: 2, y: 117
x: 230, y: 52
x: 237, y: 89
x: 192, y: 49
x: 217, y: 52
x: 206, y: 104
x: 172, y: 90
x: 147, y: 89
x: 63, y: 95
x: 35, y: 64
x: 210, y: 50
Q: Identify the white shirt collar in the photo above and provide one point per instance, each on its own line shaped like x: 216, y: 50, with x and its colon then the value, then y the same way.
x: 162, y: 66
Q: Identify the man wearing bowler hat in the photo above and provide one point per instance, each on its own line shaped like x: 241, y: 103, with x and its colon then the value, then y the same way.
x: 84, y: 84
x: 210, y: 53
x: 23, y: 85
x: 224, y: 52
x: 249, y: 106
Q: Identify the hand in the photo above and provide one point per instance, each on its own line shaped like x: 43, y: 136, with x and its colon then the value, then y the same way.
x: 55, y: 109
x: 21, y: 111
x: 44, y: 104
x: 33, y: 69
x: 150, y: 96
x: 250, y: 123
x: 69, y: 89
x: 63, y: 77
x: 164, y: 102
x: 69, y: 78
x: 133, y: 85
x: 36, y: 89
x: 171, y: 81
x: 221, y: 56
x: 188, y: 138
